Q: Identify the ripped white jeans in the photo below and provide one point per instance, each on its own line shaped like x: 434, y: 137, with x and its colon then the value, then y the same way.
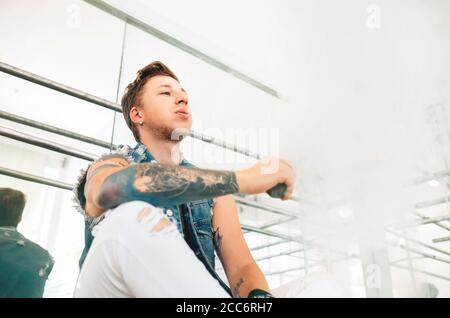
x: 138, y: 252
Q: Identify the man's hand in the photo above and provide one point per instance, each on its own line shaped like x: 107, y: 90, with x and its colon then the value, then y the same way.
x: 265, y: 175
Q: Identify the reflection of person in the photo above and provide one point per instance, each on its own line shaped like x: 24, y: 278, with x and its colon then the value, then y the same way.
x: 138, y: 250
x: 24, y: 265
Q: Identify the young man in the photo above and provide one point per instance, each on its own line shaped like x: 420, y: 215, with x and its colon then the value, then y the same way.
x: 24, y: 265
x: 162, y: 225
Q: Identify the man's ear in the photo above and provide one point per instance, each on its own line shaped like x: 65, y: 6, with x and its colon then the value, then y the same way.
x: 135, y: 114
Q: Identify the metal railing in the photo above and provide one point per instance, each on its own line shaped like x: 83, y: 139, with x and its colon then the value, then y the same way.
x: 44, y: 143
x: 55, y: 130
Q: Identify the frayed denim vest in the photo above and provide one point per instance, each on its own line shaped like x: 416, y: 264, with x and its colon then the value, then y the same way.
x: 194, y: 224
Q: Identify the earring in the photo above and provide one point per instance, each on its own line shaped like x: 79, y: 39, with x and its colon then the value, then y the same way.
x: 141, y: 123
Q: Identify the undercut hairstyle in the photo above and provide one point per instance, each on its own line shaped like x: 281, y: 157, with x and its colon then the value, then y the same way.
x: 133, y: 92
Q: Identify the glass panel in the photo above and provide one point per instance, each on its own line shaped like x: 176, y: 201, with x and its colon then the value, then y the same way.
x: 50, y: 220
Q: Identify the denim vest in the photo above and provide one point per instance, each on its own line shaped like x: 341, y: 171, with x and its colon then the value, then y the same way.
x: 195, y: 225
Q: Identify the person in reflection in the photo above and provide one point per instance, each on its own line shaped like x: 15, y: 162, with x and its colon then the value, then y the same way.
x: 24, y: 265
x: 157, y: 220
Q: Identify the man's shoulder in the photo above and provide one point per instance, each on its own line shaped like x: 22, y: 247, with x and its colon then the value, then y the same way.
x: 20, y: 242
x: 35, y: 246
x: 122, y: 152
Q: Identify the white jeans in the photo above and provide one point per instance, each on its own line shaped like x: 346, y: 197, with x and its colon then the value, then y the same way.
x: 138, y: 252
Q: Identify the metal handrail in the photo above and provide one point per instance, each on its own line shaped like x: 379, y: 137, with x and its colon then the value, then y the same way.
x: 44, y: 143
x: 55, y: 130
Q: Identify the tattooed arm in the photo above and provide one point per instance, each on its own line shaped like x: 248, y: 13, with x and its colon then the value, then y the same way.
x: 161, y: 184
x: 242, y: 272
x: 96, y: 175
x: 112, y: 181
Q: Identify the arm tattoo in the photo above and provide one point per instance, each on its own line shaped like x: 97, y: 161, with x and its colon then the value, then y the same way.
x: 99, y: 169
x: 162, y: 185
x: 237, y: 287
x: 94, y: 170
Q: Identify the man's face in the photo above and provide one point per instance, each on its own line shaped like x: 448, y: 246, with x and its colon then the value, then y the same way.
x: 164, y: 106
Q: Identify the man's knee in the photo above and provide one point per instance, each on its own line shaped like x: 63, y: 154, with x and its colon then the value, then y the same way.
x: 154, y: 221
x: 134, y: 219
